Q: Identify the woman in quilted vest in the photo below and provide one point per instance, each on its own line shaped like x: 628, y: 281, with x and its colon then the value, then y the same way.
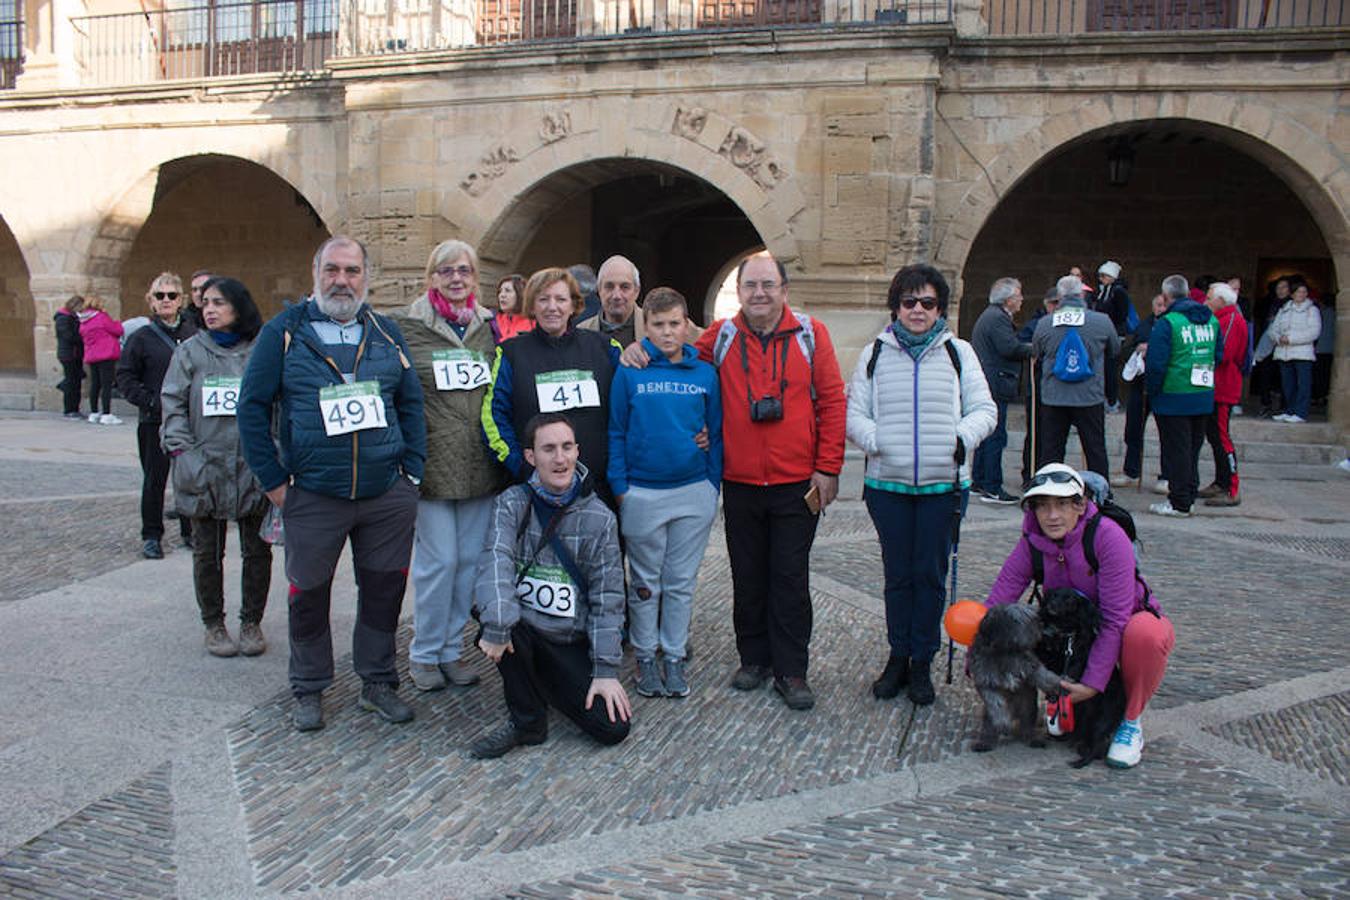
x: 452, y: 343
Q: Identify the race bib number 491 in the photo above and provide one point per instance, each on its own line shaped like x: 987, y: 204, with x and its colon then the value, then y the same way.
x: 567, y: 389
x: 549, y: 590
x: 459, y: 370
x: 220, y: 395
x: 351, y: 407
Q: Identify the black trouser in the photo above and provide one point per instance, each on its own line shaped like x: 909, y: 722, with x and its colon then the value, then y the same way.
x: 1036, y: 427
x: 101, y: 385
x: 539, y: 673
x: 1181, y: 438
x: 381, y: 532
x: 208, y: 568
x: 73, y: 371
x: 154, y: 476
x: 1112, y: 379
x: 769, y: 535
x: 1091, y: 424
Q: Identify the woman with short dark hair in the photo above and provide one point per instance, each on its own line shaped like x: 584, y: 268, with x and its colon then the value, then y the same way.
x: 70, y: 354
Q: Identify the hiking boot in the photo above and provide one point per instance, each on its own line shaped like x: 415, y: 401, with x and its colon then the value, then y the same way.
x: 673, y: 672
x: 892, y: 679
x: 219, y: 642
x: 427, y: 676
x: 1224, y: 500
x: 750, y: 678
x: 649, y: 679
x: 921, y: 692
x: 502, y: 741
x: 796, y: 692
x: 251, y: 640
x: 380, y: 697
x: 151, y: 549
x: 1210, y: 490
x: 1165, y: 508
x: 308, y: 712
x: 1127, y: 747
x: 458, y: 673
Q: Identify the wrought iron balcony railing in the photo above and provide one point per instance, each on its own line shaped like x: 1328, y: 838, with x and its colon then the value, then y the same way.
x: 283, y: 36
x: 1007, y: 17
x: 11, y: 51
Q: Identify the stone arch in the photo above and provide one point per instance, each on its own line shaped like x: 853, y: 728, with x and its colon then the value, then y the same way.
x: 710, y: 300
x: 508, y: 207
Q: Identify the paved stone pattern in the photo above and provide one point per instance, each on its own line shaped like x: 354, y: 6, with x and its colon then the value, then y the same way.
x: 1329, y: 547
x: 1188, y: 827
x: 25, y: 479
x: 120, y: 846
x: 1312, y: 736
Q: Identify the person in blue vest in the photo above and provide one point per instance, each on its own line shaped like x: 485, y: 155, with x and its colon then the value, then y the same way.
x: 1183, y: 350
x: 353, y: 447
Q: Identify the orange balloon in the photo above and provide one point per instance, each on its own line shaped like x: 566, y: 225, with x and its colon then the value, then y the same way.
x: 963, y: 620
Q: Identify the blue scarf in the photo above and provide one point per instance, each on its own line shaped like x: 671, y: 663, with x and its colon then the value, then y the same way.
x: 916, y: 344
x: 552, y: 499
x: 225, y: 338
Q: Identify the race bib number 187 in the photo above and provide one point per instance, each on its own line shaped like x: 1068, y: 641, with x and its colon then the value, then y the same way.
x: 568, y: 389
x: 351, y: 407
x: 1071, y: 316
x: 220, y: 395
x: 458, y: 370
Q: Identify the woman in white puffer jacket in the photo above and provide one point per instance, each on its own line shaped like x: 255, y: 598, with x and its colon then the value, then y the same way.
x: 918, y: 421
x: 1296, y: 328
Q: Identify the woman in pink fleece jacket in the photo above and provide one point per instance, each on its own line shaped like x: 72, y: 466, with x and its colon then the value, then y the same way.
x: 101, y: 334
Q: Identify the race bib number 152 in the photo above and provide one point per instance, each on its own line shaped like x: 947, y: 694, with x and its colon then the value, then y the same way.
x: 458, y: 370
x: 351, y: 407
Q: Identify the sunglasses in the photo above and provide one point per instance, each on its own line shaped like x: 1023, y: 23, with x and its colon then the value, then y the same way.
x: 461, y: 271
x: 165, y: 295
x: 1055, y: 477
x: 928, y: 303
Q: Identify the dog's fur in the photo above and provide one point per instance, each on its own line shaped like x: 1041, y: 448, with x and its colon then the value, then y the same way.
x: 1007, y: 675
x: 1069, y: 624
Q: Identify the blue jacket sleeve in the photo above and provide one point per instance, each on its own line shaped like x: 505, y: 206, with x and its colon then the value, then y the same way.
x: 257, y: 393
x: 618, y: 433
x: 1159, y: 352
x: 499, y: 428
x: 411, y: 411
x: 714, y: 417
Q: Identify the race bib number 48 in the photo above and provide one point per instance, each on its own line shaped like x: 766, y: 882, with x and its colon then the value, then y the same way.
x: 220, y: 395
x: 549, y: 590
x: 351, y: 407
x: 459, y: 370
x: 568, y: 389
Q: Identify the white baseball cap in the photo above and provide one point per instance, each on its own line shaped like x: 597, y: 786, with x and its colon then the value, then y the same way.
x: 1054, y: 480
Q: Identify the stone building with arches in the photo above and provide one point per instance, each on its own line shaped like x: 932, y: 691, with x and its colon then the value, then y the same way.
x: 848, y: 144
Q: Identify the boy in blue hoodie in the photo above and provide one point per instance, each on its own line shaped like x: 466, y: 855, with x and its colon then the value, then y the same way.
x: 666, y: 486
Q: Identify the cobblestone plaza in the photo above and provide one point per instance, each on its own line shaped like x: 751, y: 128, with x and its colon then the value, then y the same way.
x: 135, y: 765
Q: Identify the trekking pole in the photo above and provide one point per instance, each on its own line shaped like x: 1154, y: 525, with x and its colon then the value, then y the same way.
x: 955, y: 557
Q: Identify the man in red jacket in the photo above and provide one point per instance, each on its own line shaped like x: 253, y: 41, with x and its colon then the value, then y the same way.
x: 1222, y: 301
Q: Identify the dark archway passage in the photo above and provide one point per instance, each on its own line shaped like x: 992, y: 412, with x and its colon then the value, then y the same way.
x: 16, y: 308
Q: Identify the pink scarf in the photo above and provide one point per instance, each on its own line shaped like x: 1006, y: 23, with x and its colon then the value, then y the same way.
x: 447, y: 311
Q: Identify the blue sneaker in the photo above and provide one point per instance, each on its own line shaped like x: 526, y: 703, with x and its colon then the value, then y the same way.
x: 676, y: 685
x: 649, y: 679
x: 1127, y: 746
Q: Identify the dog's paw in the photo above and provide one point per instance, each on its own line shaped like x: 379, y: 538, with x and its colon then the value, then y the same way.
x: 1081, y: 762
x: 982, y: 746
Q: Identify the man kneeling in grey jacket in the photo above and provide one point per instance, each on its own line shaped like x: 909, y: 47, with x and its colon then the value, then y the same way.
x: 550, y: 599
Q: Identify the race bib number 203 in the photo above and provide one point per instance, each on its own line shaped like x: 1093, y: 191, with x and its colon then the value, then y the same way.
x: 352, y: 407
x: 549, y: 590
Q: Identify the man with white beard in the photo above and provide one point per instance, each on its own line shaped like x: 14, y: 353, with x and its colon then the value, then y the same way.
x: 353, y: 443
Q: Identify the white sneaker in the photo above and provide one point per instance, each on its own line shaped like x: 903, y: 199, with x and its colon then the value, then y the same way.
x: 1127, y: 746
x: 1160, y: 486
x: 1295, y: 420
x: 1165, y: 509
x: 1344, y: 465
x: 1282, y: 417
x: 109, y: 419
x: 1120, y: 479
x: 93, y: 418
x: 1237, y: 409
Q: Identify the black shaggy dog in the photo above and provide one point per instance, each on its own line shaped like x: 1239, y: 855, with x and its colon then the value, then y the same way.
x: 1069, y: 624
x: 1007, y: 675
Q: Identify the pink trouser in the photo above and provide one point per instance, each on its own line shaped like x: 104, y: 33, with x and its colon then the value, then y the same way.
x: 1144, y: 649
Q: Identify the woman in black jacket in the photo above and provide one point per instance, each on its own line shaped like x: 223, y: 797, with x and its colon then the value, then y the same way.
x: 70, y: 353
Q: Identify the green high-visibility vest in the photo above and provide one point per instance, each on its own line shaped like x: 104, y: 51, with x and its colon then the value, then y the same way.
x: 1190, y: 368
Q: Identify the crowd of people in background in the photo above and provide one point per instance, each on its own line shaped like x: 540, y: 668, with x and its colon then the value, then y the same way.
x: 546, y: 457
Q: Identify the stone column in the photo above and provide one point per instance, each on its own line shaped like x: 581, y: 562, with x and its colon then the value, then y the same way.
x: 49, y: 45
x: 1338, y: 404
x: 50, y: 293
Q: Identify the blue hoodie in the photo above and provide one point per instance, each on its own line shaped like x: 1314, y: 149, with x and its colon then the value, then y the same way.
x: 654, y: 414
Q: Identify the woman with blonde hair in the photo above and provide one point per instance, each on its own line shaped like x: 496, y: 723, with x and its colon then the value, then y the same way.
x: 451, y: 340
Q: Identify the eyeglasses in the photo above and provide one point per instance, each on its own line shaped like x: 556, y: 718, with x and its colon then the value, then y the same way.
x: 1057, y: 477
x: 767, y: 287
x: 461, y: 271
x: 165, y: 295
x: 928, y: 303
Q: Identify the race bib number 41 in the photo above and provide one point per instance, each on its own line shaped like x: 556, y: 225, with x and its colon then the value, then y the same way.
x: 1072, y: 316
x: 220, y: 395
x: 549, y: 590
x: 459, y: 370
x: 568, y: 389
x: 351, y: 407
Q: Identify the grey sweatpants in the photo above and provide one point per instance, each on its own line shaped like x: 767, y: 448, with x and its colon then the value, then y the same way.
x: 666, y: 531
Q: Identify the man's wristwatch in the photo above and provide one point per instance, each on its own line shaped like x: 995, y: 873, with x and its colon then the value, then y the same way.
x: 417, y: 482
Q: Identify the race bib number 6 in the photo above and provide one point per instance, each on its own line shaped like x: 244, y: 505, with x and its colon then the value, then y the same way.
x: 568, y: 389
x: 1202, y: 376
x: 549, y: 590
x: 1071, y: 316
x: 220, y: 395
x: 459, y: 370
x: 351, y: 407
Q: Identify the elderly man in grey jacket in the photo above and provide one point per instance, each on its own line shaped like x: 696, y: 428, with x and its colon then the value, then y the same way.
x: 1073, y: 345
x: 1001, y: 354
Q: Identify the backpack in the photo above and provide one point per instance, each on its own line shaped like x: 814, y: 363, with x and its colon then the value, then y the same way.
x: 806, y: 340
x: 1131, y: 319
x: 1116, y: 513
x: 879, y: 343
x: 1072, y: 363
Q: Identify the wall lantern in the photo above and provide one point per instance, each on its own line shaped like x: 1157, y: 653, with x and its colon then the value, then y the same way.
x: 1119, y: 162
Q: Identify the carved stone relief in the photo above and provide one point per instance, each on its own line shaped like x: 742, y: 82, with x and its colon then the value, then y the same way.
x: 748, y: 153
x: 492, y: 165
x: 689, y: 122
x: 555, y: 126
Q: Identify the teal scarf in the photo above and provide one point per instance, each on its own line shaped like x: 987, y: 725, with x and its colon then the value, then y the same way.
x: 916, y: 344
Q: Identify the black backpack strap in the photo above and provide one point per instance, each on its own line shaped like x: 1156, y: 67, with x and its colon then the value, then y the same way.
x: 1090, y: 541
x: 1037, y: 572
x: 876, y: 352
x: 955, y: 357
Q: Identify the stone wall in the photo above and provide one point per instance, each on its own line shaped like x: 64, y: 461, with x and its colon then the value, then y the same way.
x: 16, y: 308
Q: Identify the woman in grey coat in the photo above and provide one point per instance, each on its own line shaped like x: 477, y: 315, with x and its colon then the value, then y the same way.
x: 212, y: 484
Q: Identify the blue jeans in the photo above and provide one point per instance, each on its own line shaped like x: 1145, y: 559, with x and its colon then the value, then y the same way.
x: 1296, y: 383
x: 915, y: 533
x: 987, y: 469
x: 448, y: 545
